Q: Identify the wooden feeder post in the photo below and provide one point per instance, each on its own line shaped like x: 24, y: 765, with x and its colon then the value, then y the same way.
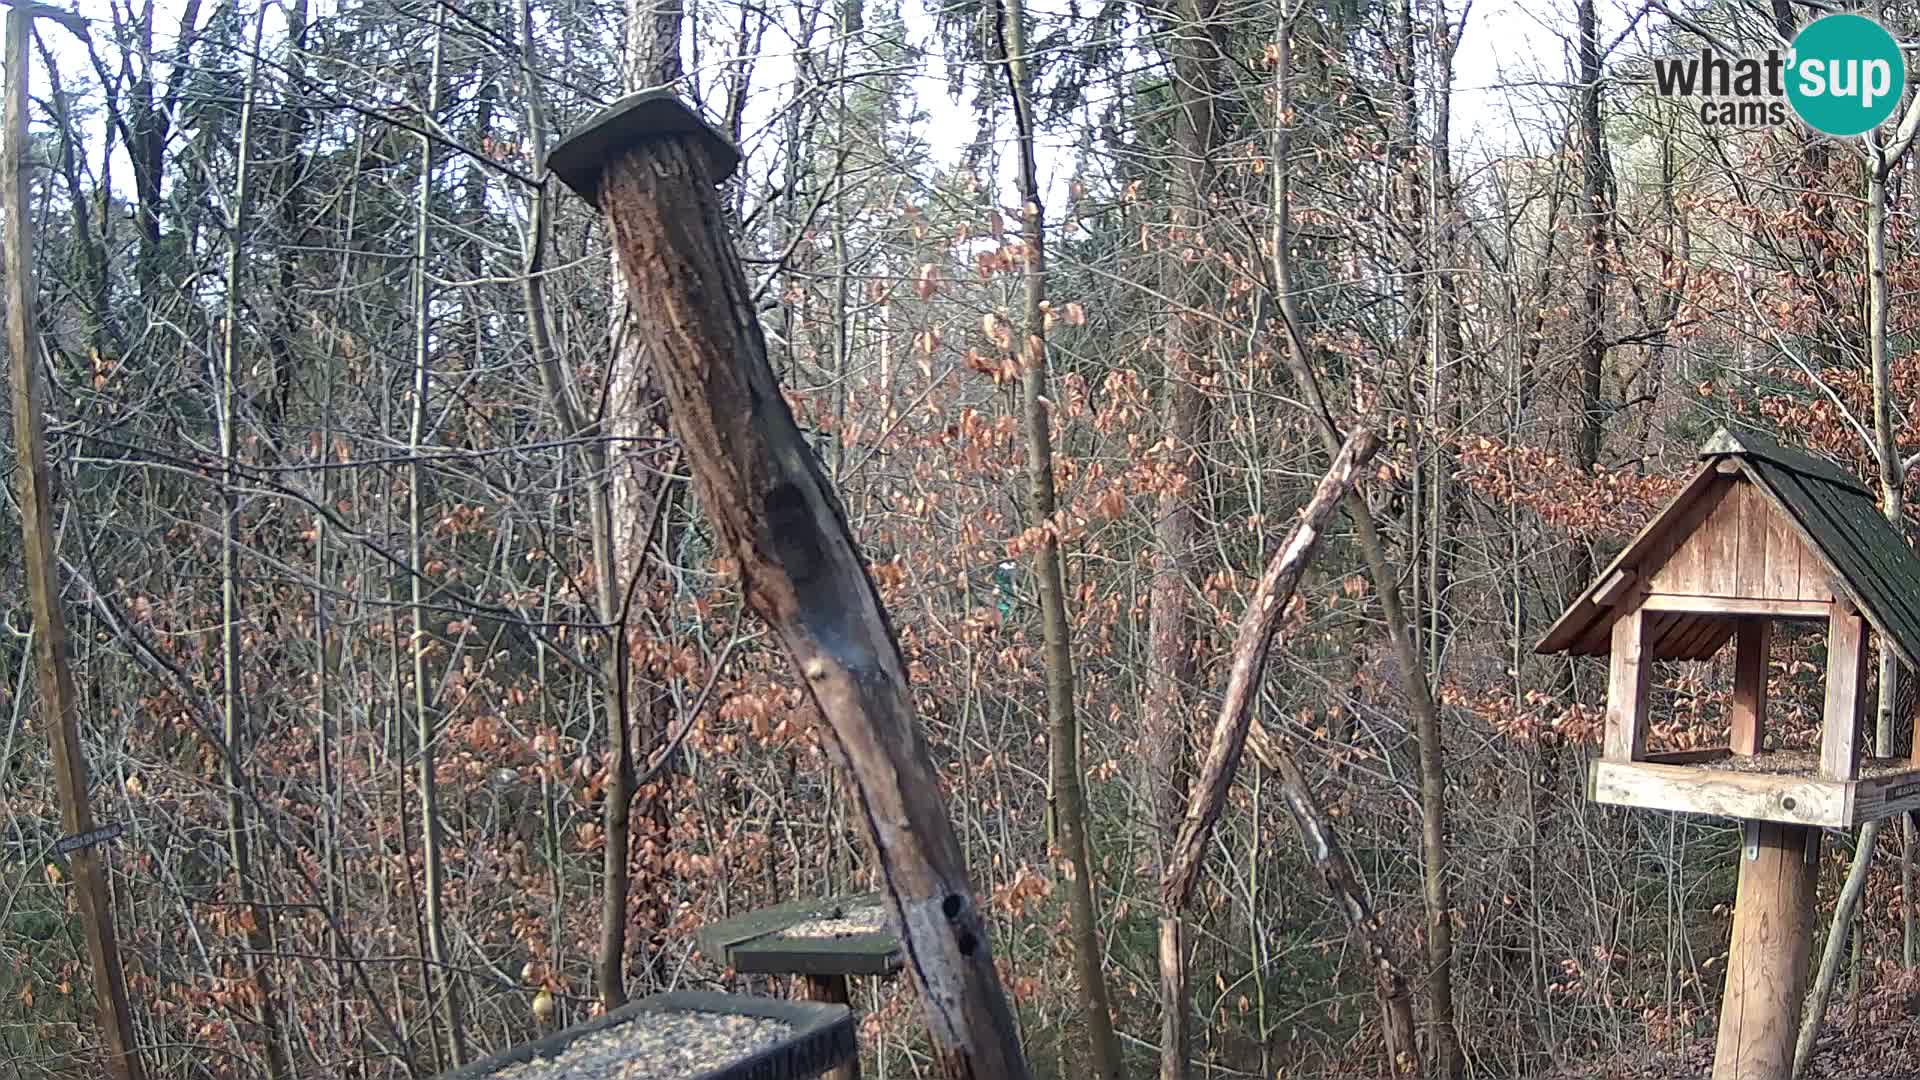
x: 651, y: 166
x: 1761, y: 533
x: 1768, y: 957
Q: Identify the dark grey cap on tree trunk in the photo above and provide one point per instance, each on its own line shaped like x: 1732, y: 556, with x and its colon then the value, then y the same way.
x: 650, y: 114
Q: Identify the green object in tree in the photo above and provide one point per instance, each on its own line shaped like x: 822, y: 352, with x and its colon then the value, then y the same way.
x: 1003, y: 584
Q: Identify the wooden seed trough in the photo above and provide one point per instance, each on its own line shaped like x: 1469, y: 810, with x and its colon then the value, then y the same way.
x: 686, y: 1035
x: 821, y: 941
x: 1761, y: 533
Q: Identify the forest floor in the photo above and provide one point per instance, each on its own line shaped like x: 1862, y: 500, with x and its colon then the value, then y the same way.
x: 1878, y: 1040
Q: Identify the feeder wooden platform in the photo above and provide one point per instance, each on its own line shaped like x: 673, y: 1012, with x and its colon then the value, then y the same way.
x: 1783, y: 786
x: 821, y: 941
x: 685, y: 1036
x: 835, y: 937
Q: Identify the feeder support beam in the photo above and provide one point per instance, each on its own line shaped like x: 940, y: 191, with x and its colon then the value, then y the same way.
x: 651, y: 166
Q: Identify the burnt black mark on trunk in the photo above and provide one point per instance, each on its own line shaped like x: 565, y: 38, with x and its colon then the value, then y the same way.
x: 827, y: 596
x: 795, y: 539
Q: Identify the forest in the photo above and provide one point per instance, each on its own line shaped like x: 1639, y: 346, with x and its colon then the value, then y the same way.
x: 427, y: 703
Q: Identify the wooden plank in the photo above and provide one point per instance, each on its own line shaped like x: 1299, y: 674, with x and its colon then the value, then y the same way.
x: 1885, y: 797
x: 1664, y: 632
x: 1574, y: 623
x: 1701, y: 640
x: 857, y: 954
x: 1738, y: 605
x: 1614, y: 587
x: 1720, y: 631
x: 1683, y: 569
x: 1691, y: 789
x: 1750, y: 563
x: 1747, y: 731
x: 832, y: 989
x: 1629, y: 670
x: 1784, y: 557
x: 1688, y: 757
x: 1840, y: 720
x: 1768, y: 957
x: 1721, y: 532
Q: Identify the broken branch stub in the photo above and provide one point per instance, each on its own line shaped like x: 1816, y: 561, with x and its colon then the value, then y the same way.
x: 651, y: 167
x: 1250, y: 645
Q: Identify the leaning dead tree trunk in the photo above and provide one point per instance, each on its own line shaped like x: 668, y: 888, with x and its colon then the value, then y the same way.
x: 652, y: 166
x: 1298, y: 356
x: 1231, y: 734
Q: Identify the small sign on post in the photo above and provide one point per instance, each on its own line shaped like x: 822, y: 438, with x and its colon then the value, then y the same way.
x: 68, y: 844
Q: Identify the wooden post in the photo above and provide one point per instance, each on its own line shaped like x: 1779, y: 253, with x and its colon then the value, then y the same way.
x: 832, y: 988
x: 1846, y: 663
x: 1767, y: 959
x: 651, y: 166
x: 1629, y: 669
x: 59, y: 705
x: 1752, y: 638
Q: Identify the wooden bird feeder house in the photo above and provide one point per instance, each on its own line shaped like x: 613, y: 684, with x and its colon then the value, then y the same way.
x: 1760, y: 534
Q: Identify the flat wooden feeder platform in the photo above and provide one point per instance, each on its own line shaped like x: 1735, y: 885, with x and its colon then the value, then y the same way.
x: 839, y: 936
x: 1779, y: 785
x: 687, y: 1035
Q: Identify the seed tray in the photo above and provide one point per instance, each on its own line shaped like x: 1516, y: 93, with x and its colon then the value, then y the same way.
x: 817, y: 1037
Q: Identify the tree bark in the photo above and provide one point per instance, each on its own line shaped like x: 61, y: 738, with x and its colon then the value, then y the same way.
x: 1236, y: 728
x: 234, y: 728
x: 774, y: 513
x: 1593, y: 224
x: 1837, y: 937
x: 1063, y: 722
x: 1250, y: 646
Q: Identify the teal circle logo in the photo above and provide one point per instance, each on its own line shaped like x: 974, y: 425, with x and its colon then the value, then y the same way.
x: 1846, y: 74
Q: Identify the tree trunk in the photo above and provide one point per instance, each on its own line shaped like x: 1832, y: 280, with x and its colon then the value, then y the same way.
x: 40, y: 559
x: 621, y: 516
x: 1063, y: 722
x: 1197, y: 55
x: 234, y: 726
x: 1236, y: 728
x: 774, y: 513
x: 1413, y: 674
x: 430, y: 853
x: 1593, y: 224
x: 1837, y: 937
